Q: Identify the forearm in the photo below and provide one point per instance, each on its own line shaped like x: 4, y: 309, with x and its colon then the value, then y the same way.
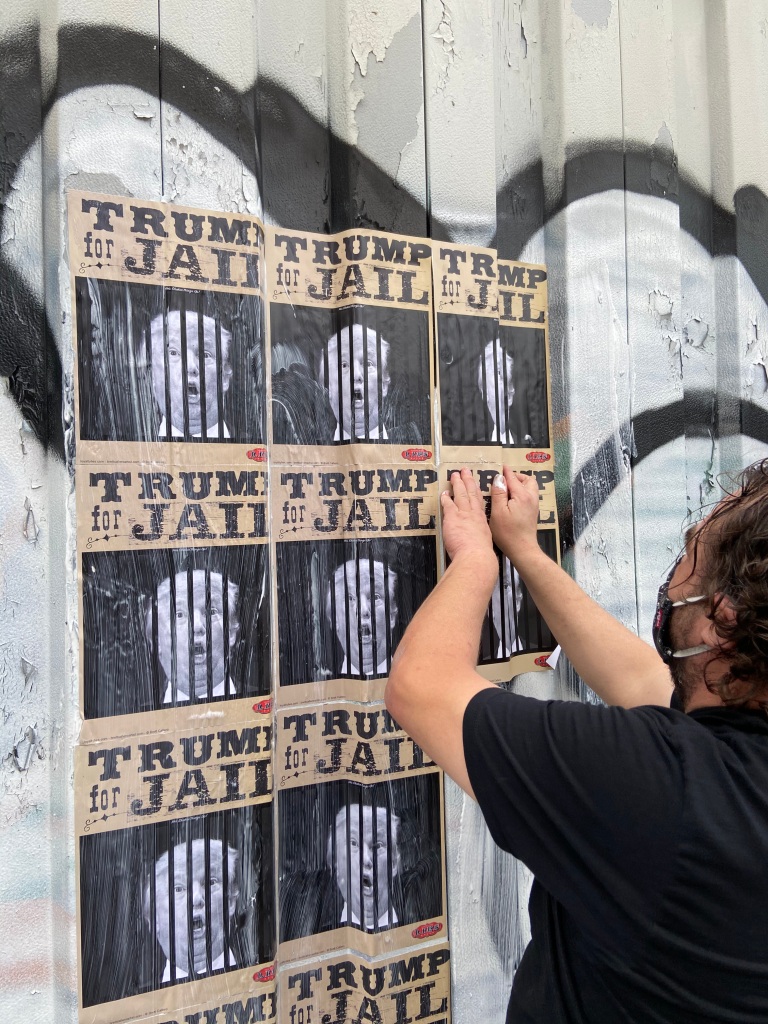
x: 620, y: 667
x: 433, y: 674
x: 445, y: 632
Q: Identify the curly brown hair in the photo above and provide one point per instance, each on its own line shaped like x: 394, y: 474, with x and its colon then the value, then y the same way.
x: 732, y: 546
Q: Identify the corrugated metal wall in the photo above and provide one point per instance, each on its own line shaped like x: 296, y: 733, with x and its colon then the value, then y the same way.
x: 624, y: 143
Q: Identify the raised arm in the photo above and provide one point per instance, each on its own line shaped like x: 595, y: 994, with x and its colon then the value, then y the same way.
x: 620, y: 667
x: 433, y: 675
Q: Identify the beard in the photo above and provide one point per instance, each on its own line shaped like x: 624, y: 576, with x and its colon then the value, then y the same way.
x: 683, y: 682
x: 686, y: 676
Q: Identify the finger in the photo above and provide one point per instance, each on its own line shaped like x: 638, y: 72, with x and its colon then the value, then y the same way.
x: 460, y: 497
x: 499, y: 495
x: 446, y: 501
x: 473, y: 491
x: 517, y: 482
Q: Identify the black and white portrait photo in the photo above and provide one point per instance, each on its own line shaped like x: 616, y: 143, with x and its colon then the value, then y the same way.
x: 356, y: 374
x: 167, y: 628
x: 364, y: 856
x: 512, y: 623
x: 493, y: 383
x: 343, y: 605
x: 159, y: 364
x: 167, y: 902
x: 189, y: 901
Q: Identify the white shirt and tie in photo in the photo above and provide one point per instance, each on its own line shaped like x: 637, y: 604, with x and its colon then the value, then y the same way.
x: 180, y: 974
x: 211, y: 432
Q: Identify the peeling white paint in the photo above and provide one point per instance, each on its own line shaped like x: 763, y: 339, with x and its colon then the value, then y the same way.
x: 695, y: 332
x: 660, y: 303
x: 444, y: 32
x: 596, y: 13
x: 372, y: 26
x: 28, y: 671
x: 26, y: 748
x: 30, y: 528
x: 390, y: 116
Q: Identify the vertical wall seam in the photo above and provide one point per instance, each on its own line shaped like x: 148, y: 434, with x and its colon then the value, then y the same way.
x: 630, y: 439
x: 160, y: 100
x: 427, y: 190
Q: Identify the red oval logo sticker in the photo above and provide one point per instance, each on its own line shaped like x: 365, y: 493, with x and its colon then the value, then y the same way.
x: 538, y: 456
x: 425, y: 930
x: 542, y: 661
x: 258, y: 454
x: 265, y: 974
x: 416, y: 454
x: 263, y: 707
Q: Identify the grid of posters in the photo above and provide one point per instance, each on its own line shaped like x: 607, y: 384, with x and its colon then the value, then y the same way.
x: 264, y: 422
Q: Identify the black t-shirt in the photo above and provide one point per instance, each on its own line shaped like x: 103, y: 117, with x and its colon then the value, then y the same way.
x: 647, y: 833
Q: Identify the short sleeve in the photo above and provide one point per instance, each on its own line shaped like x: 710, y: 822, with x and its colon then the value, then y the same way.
x: 589, y: 798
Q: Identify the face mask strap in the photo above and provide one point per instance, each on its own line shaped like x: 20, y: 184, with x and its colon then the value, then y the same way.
x: 688, y: 600
x: 689, y: 652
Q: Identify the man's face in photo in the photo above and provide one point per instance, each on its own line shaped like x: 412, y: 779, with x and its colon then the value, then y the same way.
x: 185, y: 896
x: 353, y: 354
x: 498, y: 388
x: 200, y: 383
x: 367, y: 860
x: 506, y: 599
x: 192, y: 654
x: 365, y: 613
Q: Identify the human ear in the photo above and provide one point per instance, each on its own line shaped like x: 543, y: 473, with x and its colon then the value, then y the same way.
x: 723, y: 615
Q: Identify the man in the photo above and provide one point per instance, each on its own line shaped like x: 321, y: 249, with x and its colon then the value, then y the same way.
x: 495, y: 381
x: 645, y: 824
x: 205, y: 382
x: 360, y: 882
x: 195, y: 640
x: 363, y: 855
x: 198, y: 904
x: 353, y: 368
x: 361, y: 610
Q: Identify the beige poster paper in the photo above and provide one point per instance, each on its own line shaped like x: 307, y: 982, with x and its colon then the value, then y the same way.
x: 350, y: 325
x: 174, y: 773
x: 493, y: 360
x: 218, y: 361
x: 495, y: 410
x: 174, y: 815
x: 247, y: 995
x: 342, y: 606
x: 319, y: 742
x: 122, y: 238
x: 194, y: 497
x: 353, y: 458
x: 361, y: 865
x: 466, y: 280
x: 171, y: 484
x: 176, y: 916
x: 364, y: 498
x: 522, y: 294
x: 412, y: 985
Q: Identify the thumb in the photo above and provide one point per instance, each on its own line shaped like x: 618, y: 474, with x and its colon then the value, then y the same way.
x: 499, y: 495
